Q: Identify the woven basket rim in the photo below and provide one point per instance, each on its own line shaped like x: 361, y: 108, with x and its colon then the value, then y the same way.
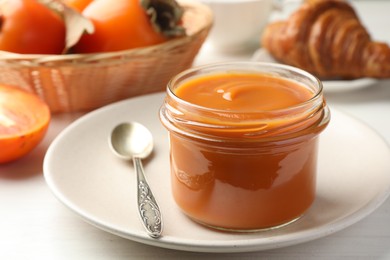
x: 40, y: 59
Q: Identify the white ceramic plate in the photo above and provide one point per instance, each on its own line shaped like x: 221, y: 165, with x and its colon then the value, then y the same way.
x: 79, y: 168
x: 329, y: 85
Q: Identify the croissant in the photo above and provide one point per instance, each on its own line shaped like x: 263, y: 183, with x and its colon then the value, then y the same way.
x: 326, y: 38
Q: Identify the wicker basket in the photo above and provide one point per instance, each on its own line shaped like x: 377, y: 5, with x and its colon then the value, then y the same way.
x: 80, y: 82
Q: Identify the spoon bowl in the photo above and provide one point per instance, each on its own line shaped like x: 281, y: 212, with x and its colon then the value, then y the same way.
x: 134, y: 141
x: 130, y: 140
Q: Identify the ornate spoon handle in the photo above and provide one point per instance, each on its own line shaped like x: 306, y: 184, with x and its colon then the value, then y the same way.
x: 147, y: 205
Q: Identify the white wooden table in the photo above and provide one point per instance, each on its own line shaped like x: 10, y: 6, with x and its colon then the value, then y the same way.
x: 35, y: 225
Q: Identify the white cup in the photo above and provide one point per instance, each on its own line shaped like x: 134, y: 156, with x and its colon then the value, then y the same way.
x: 238, y: 23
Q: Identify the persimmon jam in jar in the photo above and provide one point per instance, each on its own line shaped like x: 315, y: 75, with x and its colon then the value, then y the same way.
x: 243, y: 143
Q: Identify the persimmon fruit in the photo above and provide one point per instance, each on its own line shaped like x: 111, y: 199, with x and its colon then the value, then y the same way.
x: 29, y: 27
x: 24, y: 120
x: 78, y: 5
x: 127, y: 24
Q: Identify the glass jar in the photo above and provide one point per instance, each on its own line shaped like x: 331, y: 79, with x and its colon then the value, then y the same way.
x: 244, y: 170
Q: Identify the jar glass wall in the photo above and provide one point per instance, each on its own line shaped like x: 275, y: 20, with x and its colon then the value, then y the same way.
x: 244, y: 169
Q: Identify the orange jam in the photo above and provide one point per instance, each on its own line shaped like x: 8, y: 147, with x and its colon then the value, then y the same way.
x: 243, y: 143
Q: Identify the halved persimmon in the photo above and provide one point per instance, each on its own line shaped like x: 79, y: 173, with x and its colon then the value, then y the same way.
x: 24, y: 119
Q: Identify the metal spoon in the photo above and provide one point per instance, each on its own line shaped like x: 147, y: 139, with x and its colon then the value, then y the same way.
x: 134, y: 141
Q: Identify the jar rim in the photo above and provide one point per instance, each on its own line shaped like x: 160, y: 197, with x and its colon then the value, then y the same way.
x: 213, y: 124
x: 254, y: 64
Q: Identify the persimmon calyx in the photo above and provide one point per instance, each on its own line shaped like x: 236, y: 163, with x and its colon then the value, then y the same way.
x: 165, y: 16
